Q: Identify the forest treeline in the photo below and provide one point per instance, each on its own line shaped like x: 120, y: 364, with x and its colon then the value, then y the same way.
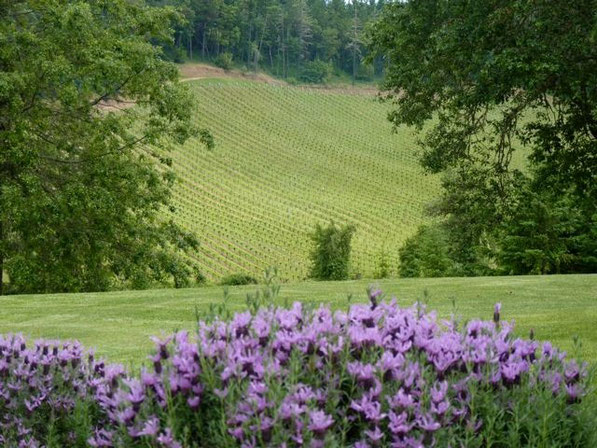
x: 300, y: 39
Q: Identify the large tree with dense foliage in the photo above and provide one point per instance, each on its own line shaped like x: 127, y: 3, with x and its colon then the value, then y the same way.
x: 481, y: 79
x: 81, y: 184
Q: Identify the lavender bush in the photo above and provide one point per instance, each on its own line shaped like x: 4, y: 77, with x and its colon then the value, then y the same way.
x: 377, y: 375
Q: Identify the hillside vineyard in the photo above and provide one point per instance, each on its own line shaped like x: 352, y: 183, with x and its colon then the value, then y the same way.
x: 287, y: 158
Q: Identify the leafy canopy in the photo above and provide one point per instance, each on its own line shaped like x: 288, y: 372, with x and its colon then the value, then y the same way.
x: 491, y: 72
x: 480, y: 79
x: 85, y: 101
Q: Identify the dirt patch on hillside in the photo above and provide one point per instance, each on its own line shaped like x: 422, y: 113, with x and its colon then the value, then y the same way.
x: 191, y: 72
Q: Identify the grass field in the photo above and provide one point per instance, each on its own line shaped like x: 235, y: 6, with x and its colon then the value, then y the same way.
x: 118, y: 324
x: 287, y: 158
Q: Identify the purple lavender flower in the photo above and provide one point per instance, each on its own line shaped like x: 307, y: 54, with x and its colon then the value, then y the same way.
x: 364, y: 373
x: 136, y: 393
x: 320, y: 423
x: 101, y: 438
x: 167, y: 440
x: 375, y: 436
x: 240, y: 324
x: 127, y: 416
x: 572, y: 372
x: 438, y: 391
x: 193, y: 402
x: 556, y: 382
x: 399, y: 423
x: 402, y: 400
x: 573, y: 392
x: 371, y: 409
x: 427, y: 423
x: 151, y: 427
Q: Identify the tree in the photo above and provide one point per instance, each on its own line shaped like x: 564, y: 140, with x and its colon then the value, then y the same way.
x: 330, y: 256
x: 546, y: 234
x: 485, y: 78
x: 80, y: 187
x: 425, y: 254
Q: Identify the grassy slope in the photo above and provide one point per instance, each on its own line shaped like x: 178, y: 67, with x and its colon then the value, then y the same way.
x: 286, y: 159
x: 119, y: 324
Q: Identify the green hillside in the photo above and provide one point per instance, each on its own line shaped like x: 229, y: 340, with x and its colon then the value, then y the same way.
x: 287, y: 158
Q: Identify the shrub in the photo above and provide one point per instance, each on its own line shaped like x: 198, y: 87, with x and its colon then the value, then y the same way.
x: 375, y: 375
x: 330, y: 256
x: 426, y: 254
x: 383, y: 264
x: 238, y: 279
x: 316, y: 72
x: 224, y: 61
x: 50, y: 391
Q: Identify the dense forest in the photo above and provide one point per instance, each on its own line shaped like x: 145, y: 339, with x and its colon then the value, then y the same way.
x: 303, y: 39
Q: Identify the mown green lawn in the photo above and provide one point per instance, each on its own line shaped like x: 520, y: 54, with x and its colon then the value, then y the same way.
x: 118, y: 324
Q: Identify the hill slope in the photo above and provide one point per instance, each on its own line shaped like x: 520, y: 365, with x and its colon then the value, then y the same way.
x: 287, y: 158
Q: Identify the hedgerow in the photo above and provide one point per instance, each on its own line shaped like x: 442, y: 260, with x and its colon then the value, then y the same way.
x: 376, y: 375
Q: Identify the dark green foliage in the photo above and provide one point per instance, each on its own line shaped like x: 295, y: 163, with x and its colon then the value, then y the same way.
x: 365, y: 72
x: 316, y: 72
x: 548, y: 234
x: 238, y: 279
x: 490, y: 77
x: 426, y: 254
x: 81, y: 193
x: 470, y: 214
x: 224, y: 60
x: 330, y: 256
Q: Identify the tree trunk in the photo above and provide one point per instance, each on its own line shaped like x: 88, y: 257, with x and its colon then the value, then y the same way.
x: 354, y: 66
x: 203, y: 45
x: 271, y: 59
x: 354, y: 45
